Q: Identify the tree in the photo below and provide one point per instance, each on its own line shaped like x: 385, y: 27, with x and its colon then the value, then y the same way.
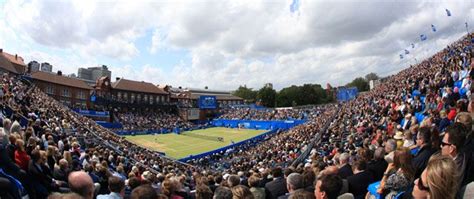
x: 288, y: 96
x: 267, y: 96
x: 361, y: 84
x: 371, y: 76
x: 246, y: 93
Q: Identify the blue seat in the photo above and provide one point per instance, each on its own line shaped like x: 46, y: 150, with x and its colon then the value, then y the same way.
x: 419, y: 117
x: 414, y: 151
x: 373, y: 189
x: 416, y: 93
x: 463, y: 91
x: 458, y: 83
x: 400, y: 195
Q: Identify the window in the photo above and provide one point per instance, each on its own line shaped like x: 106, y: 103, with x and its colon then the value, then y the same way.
x: 66, y: 93
x: 133, y: 97
x: 145, y: 98
x: 139, y: 97
x: 50, y: 90
x: 158, y: 98
x: 119, y: 95
x: 81, y: 95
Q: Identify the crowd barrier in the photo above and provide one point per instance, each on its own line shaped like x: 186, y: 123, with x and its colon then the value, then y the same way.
x: 252, y: 124
x: 9, y: 112
x: 110, y: 125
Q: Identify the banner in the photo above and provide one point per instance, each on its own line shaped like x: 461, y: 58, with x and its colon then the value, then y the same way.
x: 346, y: 94
x: 207, y: 102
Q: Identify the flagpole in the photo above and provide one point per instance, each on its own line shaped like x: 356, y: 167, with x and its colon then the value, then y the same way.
x: 467, y: 29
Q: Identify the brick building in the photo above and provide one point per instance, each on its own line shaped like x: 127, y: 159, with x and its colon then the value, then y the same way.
x: 70, y: 91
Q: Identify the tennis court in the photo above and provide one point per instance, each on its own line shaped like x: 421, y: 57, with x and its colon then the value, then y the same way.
x: 193, y: 142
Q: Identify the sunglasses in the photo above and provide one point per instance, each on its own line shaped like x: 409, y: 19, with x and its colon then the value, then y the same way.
x: 421, y: 186
x: 445, y: 144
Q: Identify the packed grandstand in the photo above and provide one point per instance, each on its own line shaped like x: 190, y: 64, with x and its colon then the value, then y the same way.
x: 414, y: 125
x: 408, y: 137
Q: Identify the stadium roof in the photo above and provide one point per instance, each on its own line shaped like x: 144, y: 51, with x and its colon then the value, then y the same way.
x: 137, y: 86
x: 60, y: 79
x: 12, y: 63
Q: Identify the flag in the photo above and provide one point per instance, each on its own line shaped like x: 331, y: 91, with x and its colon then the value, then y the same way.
x: 401, y: 56
x: 407, y: 52
x: 433, y: 28
x: 423, y: 37
x: 448, y: 12
x: 294, y: 6
x: 412, y: 45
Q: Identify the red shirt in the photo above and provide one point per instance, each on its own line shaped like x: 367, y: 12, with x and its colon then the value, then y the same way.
x: 452, y: 114
x: 22, y: 159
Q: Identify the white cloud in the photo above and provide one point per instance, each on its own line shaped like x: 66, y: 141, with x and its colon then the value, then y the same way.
x: 241, y: 42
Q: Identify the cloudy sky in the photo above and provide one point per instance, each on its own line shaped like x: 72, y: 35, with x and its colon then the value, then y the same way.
x: 224, y: 44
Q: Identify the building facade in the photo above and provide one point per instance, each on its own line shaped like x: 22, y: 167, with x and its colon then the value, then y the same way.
x: 33, y: 66
x: 46, y: 67
x: 70, y: 91
x: 94, y: 73
x: 10, y: 63
x: 129, y: 93
x: 189, y: 97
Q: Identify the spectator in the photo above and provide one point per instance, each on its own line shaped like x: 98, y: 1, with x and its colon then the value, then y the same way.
x: 390, y: 147
x: 203, y: 192
x: 241, y: 192
x: 328, y: 187
x: 21, y: 157
x: 116, y: 187
x: 40, y: 174
x: 438, y: 181
x: 408, y: 140
x: 233, y: 180
x: 361, y: 179
x: 223, y: 193
x: 277, y: 187
x: 452, y: 146
x: 81, y: 183
x: 377, y: 165
x: 294, y: 183
x: 144, y: 192
x: 258, y: 192
x: 170, y: 188
x: 399, y: 174
x: 62, y: 171
x: 423, y: 141
x: 345, y: 169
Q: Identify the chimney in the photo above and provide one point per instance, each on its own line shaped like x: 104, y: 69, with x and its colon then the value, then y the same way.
x: 60, y: 73
x: 1, y: 50
x: 117, y: 78
x: 16, y: 56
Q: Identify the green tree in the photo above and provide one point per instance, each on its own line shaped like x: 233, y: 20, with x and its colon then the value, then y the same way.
x: 371, y: 76
x: 361, y: 84
x: 246, y: 93
x: 288, y: 96
x: 267, y: 96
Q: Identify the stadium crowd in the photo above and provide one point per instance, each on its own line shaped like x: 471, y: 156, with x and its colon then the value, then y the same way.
x: 151, y: 120
x: 413, y: 133
x: 268, y: 114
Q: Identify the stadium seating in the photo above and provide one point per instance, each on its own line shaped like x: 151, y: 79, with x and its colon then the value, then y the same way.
x: 355, y: 140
